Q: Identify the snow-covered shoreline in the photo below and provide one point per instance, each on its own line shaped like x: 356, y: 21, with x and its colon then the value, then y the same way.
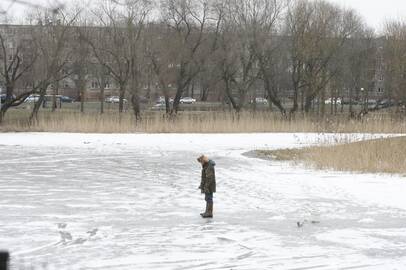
x: 179, y: 141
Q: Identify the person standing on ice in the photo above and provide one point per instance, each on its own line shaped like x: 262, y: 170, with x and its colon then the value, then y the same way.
x: 207, y: 184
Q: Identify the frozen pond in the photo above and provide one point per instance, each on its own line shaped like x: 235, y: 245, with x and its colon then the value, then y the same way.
x: 72, y: 201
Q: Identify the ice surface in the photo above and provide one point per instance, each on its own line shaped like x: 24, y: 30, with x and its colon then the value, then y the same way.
x: 117, y: 201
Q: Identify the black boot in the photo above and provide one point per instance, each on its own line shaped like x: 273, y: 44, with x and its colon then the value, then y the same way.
x: 209, y: 213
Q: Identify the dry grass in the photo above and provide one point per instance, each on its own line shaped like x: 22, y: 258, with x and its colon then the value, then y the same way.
x: 373, y: 156
x: 199, y: 122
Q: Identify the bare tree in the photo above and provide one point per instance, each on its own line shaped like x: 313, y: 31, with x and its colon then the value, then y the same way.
x: 54, y: 54
x: 82, y: 56
x: 187, y: 21
x: 318, y: 30
x: 107, y: 43
x: 356, y: 69
x: 18, y: 54
x: 239, y: 67
x: 117, y: 45
x: 267, y: 43
x: 395, y: 55
x: 137, y: 12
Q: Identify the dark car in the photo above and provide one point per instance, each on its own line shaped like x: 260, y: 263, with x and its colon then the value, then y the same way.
x: 66, y: 99
x: 385, y: 103
x: 3, y: 97
x: 349, y: 101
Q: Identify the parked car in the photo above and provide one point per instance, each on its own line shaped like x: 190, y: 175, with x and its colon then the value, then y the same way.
x: 371, y: 103
x: 143, y: 100
x: 66, y: 99
x: 187, y: 100
x: 331, y: 100
x: 159, y: 106
x: 162, y: 100
x: 114, y: 99
x: 110, y: 99
x: 348, y: 101
x: 3, y: 97
x: 385, y: 103
x: 260, y: 100
x: 32, y: 98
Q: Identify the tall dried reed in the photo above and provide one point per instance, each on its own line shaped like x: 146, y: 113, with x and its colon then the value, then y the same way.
x: 372, y: 156
x: 201, y: 122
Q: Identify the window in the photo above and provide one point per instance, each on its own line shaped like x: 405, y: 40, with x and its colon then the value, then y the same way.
x: 95, y: 84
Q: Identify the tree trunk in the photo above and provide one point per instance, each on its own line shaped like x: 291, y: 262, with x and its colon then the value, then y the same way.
x: 54, y: 96
x: 205, y: 93
x: 323, y: 102
x: 350, y: 110
x: 37, y: 105
x: 8, y: 101
x: 82, y: 85
x: 121, y: 98
x: 302, y: 99
x: 192, y: 93
x: 230, y: 97
x: 308, y: 103
x: 272, y: 96
x: 102, y: 86
x: 167, y: 103
x: 295, y: 106
x: 176, y: 101
x: 135, y: 101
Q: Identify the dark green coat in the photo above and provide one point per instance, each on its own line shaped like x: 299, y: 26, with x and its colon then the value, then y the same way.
x: 208, y: 183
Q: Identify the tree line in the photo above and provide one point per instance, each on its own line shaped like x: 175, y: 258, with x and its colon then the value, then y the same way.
x: 313, y: 50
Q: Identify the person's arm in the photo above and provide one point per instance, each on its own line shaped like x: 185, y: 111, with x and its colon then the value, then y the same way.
x: 201, y: 182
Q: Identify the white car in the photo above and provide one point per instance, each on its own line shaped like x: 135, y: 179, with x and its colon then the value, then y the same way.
x: 187, y: 100
x: 114, y: 99
x: 162, y: 100
x: 32, y: 98
x: 331, y: 100
x: 159, y: 106
x: 260, y: 100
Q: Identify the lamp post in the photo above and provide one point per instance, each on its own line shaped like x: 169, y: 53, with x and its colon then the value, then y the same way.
x: 363, y: 97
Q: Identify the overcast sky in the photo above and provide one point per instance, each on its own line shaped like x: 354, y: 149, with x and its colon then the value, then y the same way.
x: 375, y: 12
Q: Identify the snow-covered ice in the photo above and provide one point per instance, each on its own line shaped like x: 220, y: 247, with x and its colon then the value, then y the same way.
x: 121, y: 201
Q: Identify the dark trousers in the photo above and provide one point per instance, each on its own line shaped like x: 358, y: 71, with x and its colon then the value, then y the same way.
x: 208, y: 197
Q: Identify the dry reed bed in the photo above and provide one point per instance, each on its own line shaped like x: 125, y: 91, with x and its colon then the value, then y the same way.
x: 372, y: 156
x: 200, y: 122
